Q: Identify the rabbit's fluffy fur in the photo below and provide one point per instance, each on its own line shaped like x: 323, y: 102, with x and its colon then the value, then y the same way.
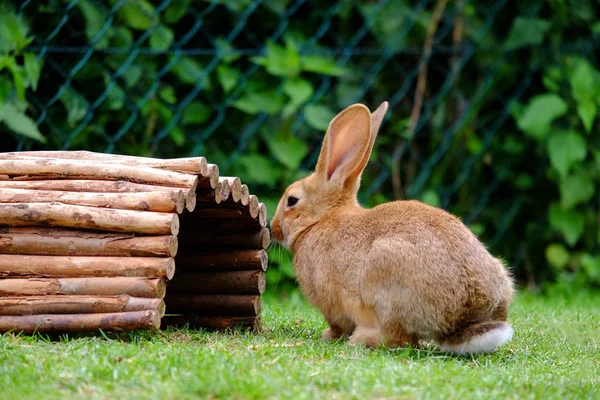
x: 394, y: 274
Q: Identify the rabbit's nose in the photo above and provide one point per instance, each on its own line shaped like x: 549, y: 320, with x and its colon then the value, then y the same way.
x: 276, y: 230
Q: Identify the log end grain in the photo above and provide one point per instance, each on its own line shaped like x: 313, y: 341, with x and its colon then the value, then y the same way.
x: 180, y: 201
x: 244, y: 195
x: 190, y: 200
x: 218, y: 192
x: 253, y: 206
x: 262, y: 282
x: 262, y: 214
x: 265, y: 238
x: 224, y: 190
x: 175, y: 225
x: 170, y: 268
x: 264, y: 260
x: 235, y: 188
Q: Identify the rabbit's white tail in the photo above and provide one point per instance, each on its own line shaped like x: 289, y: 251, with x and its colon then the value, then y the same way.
x: 482, y: 337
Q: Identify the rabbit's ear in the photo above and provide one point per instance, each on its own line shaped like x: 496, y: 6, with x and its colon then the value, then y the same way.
x: 346, y: 142
x: 376, y: 119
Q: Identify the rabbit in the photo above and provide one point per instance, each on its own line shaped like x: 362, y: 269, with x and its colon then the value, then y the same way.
x: 392, y: 275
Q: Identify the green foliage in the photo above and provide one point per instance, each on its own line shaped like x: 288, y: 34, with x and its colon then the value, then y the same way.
x: 254, y: 85
x: 19, y: 70
x: 549, y: 118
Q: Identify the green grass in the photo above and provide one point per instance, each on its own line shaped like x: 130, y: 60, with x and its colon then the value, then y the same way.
x: 555, y: 354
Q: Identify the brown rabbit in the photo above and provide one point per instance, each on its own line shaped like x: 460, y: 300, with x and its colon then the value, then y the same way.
x: 394, y: 274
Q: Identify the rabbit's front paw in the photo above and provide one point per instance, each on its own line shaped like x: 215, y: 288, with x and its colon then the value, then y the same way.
x: 332, y: 333
x: 369, y: 337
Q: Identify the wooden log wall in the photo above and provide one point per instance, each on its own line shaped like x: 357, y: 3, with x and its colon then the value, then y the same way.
x: 93, y: 241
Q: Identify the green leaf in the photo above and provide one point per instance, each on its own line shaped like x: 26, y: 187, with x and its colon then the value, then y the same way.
x: 576, y: 189
x: 526, y: 32
x: 138, y: 14
x: 557, y: 255
x: 565, y: 149
x: 17, y: 75
x: 270, y: 102
x: 259, y: 169
x: 474, y: 143
x: 279, y: 60
x: 6, y: 89
x: 552, y: 77
x: 318, y: 116
x: 569, y: 223
x: 167, y: 94
x: 539, y: 114
x: 227, y: 50
x: 189, y: 71
x: 94, y: 22
x: 161, y: 38
x: 18, y: 122
x: 322, y: 65
x: 175, y: 10
x: 523, y: 181
x: 13, y: 33
x: 116, y: 96
x: 228, y: 77
x: 177, y: 135
x: 298, y: 90
x: 587, y: 110
x: 196, y: 113
x: 591, y: 266
x: 287, y: 149
x: 33, y: 67
x: 431, y: 197
x: 477, y: 229
x: 585, y: 82
x: 132, y: 75
x: 76, y: 105
x: 597, y: 158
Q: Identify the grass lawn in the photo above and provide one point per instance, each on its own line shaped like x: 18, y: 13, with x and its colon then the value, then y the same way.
x: 555, y: 354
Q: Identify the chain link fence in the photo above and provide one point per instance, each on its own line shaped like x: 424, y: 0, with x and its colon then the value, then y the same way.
x: 252, y: 84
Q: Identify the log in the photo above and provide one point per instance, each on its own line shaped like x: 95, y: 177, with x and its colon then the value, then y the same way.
x: 216, y: 196
x: 65, y: 242
x: 33, y: 305
x: 220, y: 304
x: 136, y: 287
x: 251, y: 207
x: 224, y: 195
x: 209, y: 322
x: 78, y: 266
x: 210, y: 179
x: 71, y: 323
x: 235, y: 188
x: 92, y: 218
x: 226, y: 282
x: 169, y: 202
x: 223, y: 260
x: 33, y: 169
x: 193, y: 165
x: 259, y: 239
x: 190, y: 200
x: 244, y: 195
x: 87, y: 185
x: 218, y: 221
x: 262, y: 214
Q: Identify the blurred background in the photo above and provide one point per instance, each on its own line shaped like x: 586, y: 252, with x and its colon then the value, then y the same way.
x: 493, y: 104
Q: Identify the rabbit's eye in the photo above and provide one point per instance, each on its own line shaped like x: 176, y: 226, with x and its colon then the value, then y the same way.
x: 291, y: 201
